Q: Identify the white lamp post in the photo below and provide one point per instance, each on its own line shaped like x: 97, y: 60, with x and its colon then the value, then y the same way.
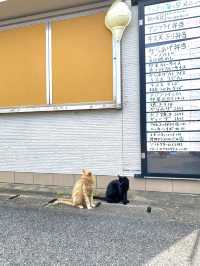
x: 117, y: 19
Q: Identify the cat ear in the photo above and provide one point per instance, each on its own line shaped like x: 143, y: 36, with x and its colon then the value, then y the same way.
x: 120, y: 178
x: 83, y: 170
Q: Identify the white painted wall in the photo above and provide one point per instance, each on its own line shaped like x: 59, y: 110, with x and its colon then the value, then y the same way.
x: 105, y: 141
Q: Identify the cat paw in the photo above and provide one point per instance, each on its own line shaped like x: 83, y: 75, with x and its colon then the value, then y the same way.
x: 80, y: 206
x: 89, y: 208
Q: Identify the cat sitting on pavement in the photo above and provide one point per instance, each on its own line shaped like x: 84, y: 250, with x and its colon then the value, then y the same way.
x: 116, y: 191
x: 82, y: 193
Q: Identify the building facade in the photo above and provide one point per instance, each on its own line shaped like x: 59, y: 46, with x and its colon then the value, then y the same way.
x: 59, y: 112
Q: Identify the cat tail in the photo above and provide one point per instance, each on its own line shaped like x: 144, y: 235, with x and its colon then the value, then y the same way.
x: 64, y: 201
x: 100, y: 198
x: 59, y: 200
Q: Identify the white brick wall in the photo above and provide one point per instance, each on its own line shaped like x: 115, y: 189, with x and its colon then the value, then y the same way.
x: 106, y: 141
x: 131, y: 98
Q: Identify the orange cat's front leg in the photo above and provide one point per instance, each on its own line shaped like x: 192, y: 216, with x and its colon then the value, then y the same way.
x: 86, y: 198
x: 92, y: 201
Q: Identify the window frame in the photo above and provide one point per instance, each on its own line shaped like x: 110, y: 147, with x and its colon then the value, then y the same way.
x: 116, y: 102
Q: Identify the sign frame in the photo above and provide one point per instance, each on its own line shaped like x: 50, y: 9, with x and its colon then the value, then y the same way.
x: 143, y: 114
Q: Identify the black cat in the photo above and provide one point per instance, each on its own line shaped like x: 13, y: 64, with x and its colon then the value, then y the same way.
x: 116, y: 191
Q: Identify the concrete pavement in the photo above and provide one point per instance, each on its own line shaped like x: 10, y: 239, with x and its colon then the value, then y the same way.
x: 31, y: 234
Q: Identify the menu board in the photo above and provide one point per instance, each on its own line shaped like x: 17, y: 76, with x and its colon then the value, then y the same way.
x: 172, y: 63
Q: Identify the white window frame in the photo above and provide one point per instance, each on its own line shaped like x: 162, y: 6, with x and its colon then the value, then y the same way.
x: 116, y: 103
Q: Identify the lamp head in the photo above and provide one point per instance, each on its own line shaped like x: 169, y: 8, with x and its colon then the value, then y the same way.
x: 117, y: 19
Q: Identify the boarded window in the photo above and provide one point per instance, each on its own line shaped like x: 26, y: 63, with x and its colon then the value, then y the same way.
x: 81, y: 60
x: 22, y: 66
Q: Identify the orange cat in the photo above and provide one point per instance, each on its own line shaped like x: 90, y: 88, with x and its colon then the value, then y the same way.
x: 82, y: 193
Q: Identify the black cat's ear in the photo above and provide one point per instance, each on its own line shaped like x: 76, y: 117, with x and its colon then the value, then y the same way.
x: 120, y: 178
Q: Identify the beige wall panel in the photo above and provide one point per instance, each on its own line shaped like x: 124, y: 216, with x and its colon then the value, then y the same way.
x: 82, y: 60
x: 22, y: 66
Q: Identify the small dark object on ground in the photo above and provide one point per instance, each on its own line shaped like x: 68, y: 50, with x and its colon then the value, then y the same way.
x: 148, y: 209
x: 14, y: 197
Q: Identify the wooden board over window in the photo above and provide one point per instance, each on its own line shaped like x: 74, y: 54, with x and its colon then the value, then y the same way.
x: 22, y: 66
x: 82, y: 60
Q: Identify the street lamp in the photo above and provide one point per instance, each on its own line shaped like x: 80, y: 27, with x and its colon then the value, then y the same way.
x: 117, y: 19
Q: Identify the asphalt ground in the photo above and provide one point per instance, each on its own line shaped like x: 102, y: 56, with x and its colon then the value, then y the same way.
x: 112, y: 234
